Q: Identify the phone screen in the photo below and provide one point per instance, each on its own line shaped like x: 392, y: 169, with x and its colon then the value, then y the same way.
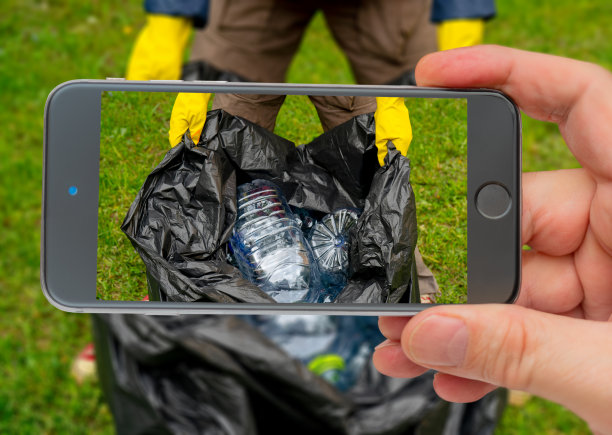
x: 282, y: 198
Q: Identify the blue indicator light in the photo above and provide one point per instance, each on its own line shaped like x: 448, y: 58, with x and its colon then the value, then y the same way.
x: 72, y: 190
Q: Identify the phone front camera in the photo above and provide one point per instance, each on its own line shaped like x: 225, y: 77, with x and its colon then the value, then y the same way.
x: 72, y: 190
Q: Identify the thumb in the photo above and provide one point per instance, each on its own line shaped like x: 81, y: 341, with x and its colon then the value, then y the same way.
x: 563, y: 359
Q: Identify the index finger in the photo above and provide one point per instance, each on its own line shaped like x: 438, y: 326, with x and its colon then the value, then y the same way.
x: 576, y: 95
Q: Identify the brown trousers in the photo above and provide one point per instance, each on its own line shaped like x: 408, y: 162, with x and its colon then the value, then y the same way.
x: 257, y: 39
x: 263, y: 109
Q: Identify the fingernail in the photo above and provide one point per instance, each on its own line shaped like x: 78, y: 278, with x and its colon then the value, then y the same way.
x: 386, y: 343
x: 439, y: 341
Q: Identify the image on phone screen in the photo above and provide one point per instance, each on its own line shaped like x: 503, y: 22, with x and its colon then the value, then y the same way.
x: 283, y: 199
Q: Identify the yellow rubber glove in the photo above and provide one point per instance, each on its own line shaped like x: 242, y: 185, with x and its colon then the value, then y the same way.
x: 188, y: 112
x: 392, y: 124
x: 158, y: 51
x: 460, y: 33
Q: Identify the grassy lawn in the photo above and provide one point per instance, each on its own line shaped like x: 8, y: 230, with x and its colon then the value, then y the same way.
x: 45, y: 43
x: 438, y: 158
x: 134, y: 139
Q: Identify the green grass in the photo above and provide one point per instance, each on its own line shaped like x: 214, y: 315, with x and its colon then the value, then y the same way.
x: 134, y: 139
x: 539, y: 416
x: 297, y: 120
x: 45, y: 43
x: 438, y: 159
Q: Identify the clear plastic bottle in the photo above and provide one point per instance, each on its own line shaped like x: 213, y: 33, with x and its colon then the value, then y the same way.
x: 330, y: 243
x: 337, y: 348
x: 268, y: 243
x: 301, y: 336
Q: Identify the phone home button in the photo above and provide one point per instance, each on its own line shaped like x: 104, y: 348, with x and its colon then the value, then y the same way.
x: 493, y: 201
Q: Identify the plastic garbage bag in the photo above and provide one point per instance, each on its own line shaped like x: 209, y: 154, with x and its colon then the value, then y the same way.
x: 183, y: 216
x: 220, y: 375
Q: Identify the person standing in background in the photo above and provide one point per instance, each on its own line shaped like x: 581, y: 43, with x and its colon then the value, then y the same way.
x: 256, y: 40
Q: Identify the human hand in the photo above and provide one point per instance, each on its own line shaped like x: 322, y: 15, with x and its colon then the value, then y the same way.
x: 188, y: 112
x: 556, y: 342
x: 158, y: 51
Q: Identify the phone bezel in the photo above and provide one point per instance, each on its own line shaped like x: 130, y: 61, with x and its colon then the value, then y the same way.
x: 69, y: 224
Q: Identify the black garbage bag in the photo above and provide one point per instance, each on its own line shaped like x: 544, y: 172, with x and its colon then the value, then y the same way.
x: 182, y: 218
x: 220, y: 375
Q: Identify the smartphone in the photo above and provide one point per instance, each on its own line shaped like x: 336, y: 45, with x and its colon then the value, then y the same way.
x: 301, y: 199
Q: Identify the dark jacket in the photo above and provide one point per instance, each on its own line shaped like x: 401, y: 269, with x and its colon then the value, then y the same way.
x: 196, y: 9
x: 443, y: 10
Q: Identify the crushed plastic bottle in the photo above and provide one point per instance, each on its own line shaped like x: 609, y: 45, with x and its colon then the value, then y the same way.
x: 269, y: 246
x: 330, y: 243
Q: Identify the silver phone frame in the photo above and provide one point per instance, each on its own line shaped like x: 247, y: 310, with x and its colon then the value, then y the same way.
x: 488, y: 126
